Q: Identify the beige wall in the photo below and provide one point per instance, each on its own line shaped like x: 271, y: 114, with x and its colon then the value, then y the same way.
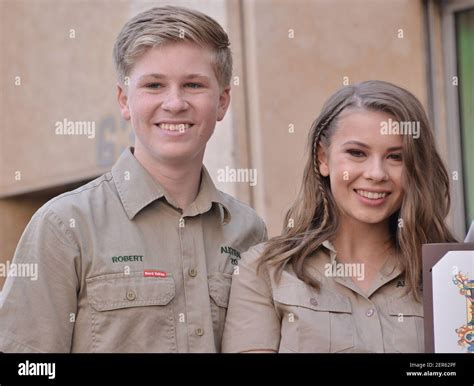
x: 61, y: 77
x: 282, y: 81
x: 15, y: 214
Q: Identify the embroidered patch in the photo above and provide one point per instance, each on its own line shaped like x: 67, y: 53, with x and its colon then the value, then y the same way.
x: 401, y: 283
x: 155, y: 273
x: 234, y: 254
x: 126, y: 259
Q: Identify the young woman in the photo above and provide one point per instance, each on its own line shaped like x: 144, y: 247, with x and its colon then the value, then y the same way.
x: 345, y: 274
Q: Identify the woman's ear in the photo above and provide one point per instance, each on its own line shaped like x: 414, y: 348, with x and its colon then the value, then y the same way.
x: 323, y: 160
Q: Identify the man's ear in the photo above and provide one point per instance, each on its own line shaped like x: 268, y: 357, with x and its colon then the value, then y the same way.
x: 323, y: 160
x: 123, y: 102
x: 224, y: 101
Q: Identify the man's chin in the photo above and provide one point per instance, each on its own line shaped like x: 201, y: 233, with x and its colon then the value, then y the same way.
x: 175, y: 156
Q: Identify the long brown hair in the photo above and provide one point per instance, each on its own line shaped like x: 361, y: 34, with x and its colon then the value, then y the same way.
x: 313, y: 218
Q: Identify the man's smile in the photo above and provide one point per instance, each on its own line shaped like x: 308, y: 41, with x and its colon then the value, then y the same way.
x: 174, y: 126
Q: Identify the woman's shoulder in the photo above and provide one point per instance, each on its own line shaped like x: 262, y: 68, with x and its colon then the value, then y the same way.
x: 255, y: 260
x: 253, y: 255
x: 254, y: 252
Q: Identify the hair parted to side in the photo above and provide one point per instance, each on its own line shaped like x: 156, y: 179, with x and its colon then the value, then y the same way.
x: 426, y: 199
x: 161, y: 25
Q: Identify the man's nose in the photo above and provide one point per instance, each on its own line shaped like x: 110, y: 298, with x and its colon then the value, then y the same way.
x: 174, y: 101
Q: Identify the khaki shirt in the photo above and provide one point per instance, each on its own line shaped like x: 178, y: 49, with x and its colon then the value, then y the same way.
x: 120, y: 269
x: 291, y: 316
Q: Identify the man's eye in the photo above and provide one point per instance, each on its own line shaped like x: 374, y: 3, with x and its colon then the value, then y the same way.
x: 356, y: 153
x: 396, y: 157
x: 153, y: 85
x: 193, y: 85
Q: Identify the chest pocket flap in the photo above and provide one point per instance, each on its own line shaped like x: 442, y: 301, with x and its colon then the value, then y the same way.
x: 115, y: 291
x: 406, y: 306
x: 297, y: 295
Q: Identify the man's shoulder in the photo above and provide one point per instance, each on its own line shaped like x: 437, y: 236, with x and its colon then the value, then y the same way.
x: 244, y: 218
x: 82, y: 197
x: 239, y: 208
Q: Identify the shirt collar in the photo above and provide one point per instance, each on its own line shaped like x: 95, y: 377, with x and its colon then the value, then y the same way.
x: 389, y: 267
x: 137, y: 189
x: 390, y: 270
x: 206, y: 197
x: 332, y: 251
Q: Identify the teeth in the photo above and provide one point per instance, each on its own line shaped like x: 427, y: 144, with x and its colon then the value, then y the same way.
x: 371, y: 195
x: 175, y: 126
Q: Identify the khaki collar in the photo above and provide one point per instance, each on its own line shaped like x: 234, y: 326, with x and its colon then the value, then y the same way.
x: 390, y: 270
x: 137, y: 189
x: 332, y: 251
x: 391, y: 267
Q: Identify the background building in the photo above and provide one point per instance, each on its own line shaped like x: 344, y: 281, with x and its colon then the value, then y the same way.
x: 56, y: 64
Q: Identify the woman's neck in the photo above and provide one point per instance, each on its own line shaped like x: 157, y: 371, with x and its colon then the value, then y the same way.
x: 360, y: 242
x: 368, y: 245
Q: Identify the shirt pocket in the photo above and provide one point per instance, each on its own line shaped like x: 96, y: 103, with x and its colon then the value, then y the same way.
x: 406, y: 321
x: 314, y: 322
x: 219, y: 291
x: 132, y: 313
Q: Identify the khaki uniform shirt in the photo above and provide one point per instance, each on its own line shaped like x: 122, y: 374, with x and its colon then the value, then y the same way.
x: 120, y: 269
x: 291, y: 316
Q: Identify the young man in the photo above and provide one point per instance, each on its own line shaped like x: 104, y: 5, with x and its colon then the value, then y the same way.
x: 140, y: 259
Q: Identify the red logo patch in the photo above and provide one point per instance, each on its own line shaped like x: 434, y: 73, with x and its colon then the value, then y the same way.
x: 154, y: 273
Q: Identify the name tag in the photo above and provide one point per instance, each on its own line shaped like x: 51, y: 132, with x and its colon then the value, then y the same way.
x: 155, y: 273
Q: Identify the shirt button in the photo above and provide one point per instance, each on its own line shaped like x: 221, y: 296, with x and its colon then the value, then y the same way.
x: 313, y: 301
x: 131, y: 295
x: 370, y: 312
x: 199, y: 332
x: 193, y: 272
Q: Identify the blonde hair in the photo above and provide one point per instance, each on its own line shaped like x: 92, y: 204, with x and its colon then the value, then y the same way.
x: 160, y: 25
x: 426, y: 198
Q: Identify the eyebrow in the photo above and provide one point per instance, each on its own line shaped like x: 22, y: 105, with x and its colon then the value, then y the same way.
x: 361, y: 144
x: 161, y: 76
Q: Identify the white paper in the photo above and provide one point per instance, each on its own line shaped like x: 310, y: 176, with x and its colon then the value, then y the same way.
x: 470, y: 234
x: 450, y: 307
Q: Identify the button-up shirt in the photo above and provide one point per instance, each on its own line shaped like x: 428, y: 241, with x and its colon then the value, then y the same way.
x: 290, y: 316
x: 122, y: 269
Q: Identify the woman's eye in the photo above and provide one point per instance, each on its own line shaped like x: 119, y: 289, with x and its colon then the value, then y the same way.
x: 193, y: 85
x: 356, y: 153
x: 396, y: 157
x: 153, y: 85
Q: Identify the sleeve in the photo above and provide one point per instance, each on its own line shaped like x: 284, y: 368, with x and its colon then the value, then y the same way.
x: 38, y: 303
x: 264, y: 237
x: 252, y: 322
